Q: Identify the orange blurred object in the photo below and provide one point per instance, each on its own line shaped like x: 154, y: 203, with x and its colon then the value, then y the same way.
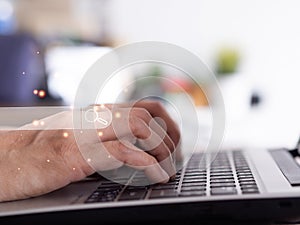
x: 177, y: 85
x: 42, y: 94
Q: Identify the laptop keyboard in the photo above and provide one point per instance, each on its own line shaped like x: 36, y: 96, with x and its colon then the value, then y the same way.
x: 205, y: 174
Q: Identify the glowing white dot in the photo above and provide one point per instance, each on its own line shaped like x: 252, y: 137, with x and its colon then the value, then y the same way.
x: 23, y: 73
x: 48, y: 160
x: 19, y: 168
x: 73, y: 168
x: 42, y: 123
x: 81, y: 132
x: 35, y: 123
x: 117, y: 115
x: 35, y: 91
x: 100, y: 133
x: 38, y: 52
x: 65, y: 134
x: 109, y: 156
x: 89, y: 160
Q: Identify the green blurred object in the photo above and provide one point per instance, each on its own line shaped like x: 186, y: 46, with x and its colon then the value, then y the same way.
x: 148, y: 83
x: 227, y: 60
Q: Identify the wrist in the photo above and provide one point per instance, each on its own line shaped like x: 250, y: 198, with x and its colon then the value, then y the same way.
x: 7, y: 171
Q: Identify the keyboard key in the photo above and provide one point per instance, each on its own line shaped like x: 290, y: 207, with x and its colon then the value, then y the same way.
x: 213, y: 185
x: 192, y: 193
x: 111, y: 184
x: 223, y: 191
x: 247, y: 182
x: 216, y: 181
x: 195, y: 170
x: 244, y: 173
x: 246, y: 179
x: 244, y: 176
x: 195, y: 174
x: 198, y: 184
x: 163, y: 193
x: 248, y: 186
x: 222, y: 177
x: 136, y: 187
x: 109, y: 188
x: 188, y: 181
x: 250, y: 191
x: 100, y: 196
x: 164, y: 186
x: 221, y: 174
x: 133, y: 194
x: 243, y: 168
x: 106, y: 199
x: 194, y: 178
x: 195, y: 188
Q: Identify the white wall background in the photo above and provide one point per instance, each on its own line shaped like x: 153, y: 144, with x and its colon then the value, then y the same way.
x: 266, y: 31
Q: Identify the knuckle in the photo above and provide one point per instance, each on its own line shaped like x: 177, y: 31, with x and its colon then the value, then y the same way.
x: 138, y: 128
x: 120, y: 146
x: 166, y: 153
x: 150, y: 160
x: 134, y: 125
x: 65, y: 147
x: 119, y: 150
x: 156, y: 105
x: 141, y: 112
x: 177, y: 136
x: 162, y: 153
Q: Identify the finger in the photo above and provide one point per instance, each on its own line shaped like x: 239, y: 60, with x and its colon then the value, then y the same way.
x: 155, y: 146
x: 131, y: 123
x: 136, y: 158
x: 156, y: 109
x: 153, y: 123
x: 100, y: 156
x: 127, y: 126
x: 114, y: 154
x: 157, y: 124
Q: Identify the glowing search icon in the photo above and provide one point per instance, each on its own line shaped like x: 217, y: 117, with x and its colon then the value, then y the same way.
x: 92, y: 116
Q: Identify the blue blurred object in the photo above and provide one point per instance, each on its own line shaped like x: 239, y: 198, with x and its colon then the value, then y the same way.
x: 7, y: 26
x: 21, y: 70
x: 7, y: 17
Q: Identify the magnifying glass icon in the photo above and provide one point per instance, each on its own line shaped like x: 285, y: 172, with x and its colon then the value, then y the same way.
x: 92, y: 116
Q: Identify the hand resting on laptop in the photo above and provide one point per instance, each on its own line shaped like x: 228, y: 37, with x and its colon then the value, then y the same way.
x: 35, y: 162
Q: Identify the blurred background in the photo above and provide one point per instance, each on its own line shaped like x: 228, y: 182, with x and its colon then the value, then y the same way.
x: 252, y: 47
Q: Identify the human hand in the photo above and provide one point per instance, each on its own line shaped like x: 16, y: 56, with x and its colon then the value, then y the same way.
x: 34, y: 162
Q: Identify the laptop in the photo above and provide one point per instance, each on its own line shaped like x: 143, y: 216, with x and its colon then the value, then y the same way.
x: 241, y: 184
